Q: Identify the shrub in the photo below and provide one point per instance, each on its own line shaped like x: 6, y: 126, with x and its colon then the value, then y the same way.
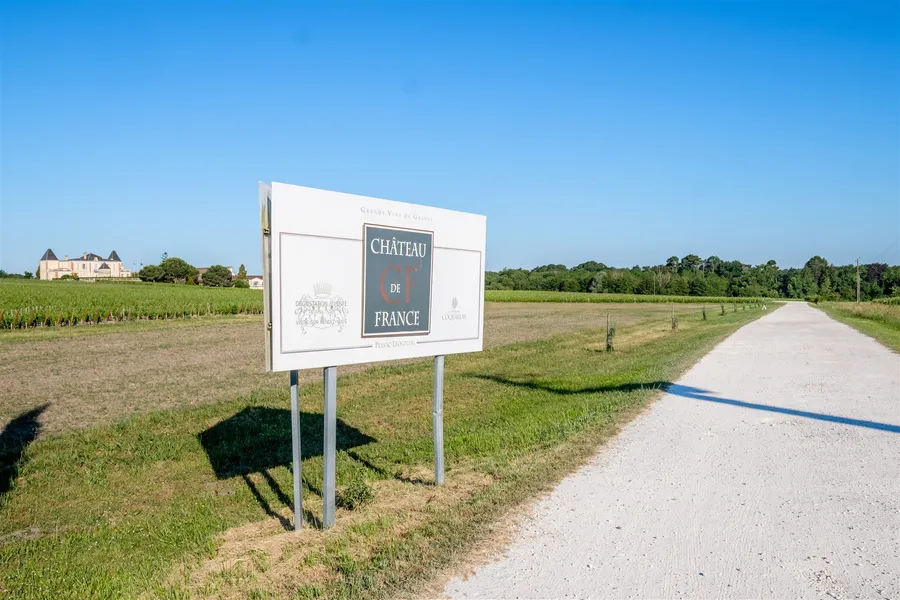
x: 218, y: 276
x: 355, y: 495
x: 151, y: 273
x: 176, y: 270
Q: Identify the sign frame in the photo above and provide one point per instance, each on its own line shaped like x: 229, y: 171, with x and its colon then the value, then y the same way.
x: 457, y: 254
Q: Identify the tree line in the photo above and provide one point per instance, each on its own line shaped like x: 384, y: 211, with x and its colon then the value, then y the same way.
x: 693, y: 276
x: 172, y: 269
x: 26, y: 275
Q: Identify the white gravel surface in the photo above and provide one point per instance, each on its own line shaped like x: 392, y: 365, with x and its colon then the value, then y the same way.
x: 771, y: 470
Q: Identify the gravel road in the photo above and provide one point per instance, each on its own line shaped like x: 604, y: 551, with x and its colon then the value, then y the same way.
x: 770, y: 470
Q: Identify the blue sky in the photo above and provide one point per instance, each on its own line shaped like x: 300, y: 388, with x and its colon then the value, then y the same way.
x: 617, y: 132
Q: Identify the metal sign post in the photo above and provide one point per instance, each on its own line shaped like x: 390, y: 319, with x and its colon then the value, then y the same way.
x: 437, y: 420
x: 295, y: 439
x: 329, y: 444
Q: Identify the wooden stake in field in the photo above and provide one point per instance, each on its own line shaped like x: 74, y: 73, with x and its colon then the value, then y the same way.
x: 674, y: 319
x: 610, y: 333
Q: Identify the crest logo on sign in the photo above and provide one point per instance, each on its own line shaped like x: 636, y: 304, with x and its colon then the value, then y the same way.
x: 454, y: 314
x: 321, y: 311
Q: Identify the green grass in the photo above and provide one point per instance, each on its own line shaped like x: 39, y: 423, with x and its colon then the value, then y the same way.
x: 542, y: 296
x: 32, y: 303
x: 140, y: 508
x: 880, y: 320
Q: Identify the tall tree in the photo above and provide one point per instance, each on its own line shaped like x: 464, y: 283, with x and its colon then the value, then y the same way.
x: 177, y: 270
x: 690, y: 263
x: 218, y: 276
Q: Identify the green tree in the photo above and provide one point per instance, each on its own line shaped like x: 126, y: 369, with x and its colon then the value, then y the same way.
x: 549, y: 268
x: 29, y: 275
x: 590, y: 265
x: 619, y: 281
x: 817, y: 269
x: 890, y: 281
x: 176, y: 270
x: 151, y: 273
x: 645, y: 282
x: 679, y: 286
x: 715, y: 285
x: 596, y: 284
x: 690, y: 263
x: 697, y: 286
x: 218, y: 276
x: 242, y: 273
x: 712, y: 265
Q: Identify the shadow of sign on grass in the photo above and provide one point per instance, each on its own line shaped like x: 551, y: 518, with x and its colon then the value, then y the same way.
x: 258, y: 439
x: 15, y: 438
x: 565, y: 391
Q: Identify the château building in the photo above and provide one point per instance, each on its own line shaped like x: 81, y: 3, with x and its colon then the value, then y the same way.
x: 87, y: 266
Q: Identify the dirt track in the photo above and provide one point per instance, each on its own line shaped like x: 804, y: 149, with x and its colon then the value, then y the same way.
x: 771, y: 470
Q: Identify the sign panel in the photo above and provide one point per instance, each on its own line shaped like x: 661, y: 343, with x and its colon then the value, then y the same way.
x: 396, y: 280
x: 352, y: 279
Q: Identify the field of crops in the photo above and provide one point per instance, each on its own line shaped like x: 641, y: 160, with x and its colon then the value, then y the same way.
x: 892, y: 301
x: 539, y: 296
x: 26, y: 304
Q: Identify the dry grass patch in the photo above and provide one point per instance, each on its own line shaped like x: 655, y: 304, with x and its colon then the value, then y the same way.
x: 263, y: 556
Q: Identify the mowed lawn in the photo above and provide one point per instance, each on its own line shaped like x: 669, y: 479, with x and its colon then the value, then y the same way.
x: 166, y: 473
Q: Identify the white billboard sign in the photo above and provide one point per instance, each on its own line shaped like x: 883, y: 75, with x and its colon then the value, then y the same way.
x: 351, y: 279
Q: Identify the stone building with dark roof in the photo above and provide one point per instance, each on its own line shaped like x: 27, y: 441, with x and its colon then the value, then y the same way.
x: 87, y: 266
